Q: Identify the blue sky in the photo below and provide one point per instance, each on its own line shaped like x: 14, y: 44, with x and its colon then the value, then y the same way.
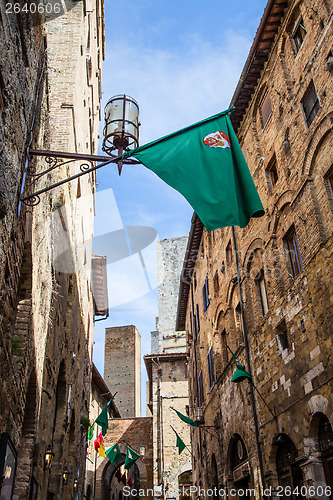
x: 181, y: 61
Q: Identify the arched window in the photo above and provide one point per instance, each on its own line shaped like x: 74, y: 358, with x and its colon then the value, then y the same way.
x: 325, y: 441
x: 289, y: 474
x: 184, y: 484
x: 214, y: 478
x: 240, y: 467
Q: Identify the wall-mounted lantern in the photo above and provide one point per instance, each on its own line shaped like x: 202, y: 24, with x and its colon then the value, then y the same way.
x: 121, y: 129
x: 76, y: 485
x: 121, y: 132
x: 48, y: 457
x: 65, y: 475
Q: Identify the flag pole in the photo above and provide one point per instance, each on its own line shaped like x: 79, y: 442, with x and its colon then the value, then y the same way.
x: 248, y: 360
x: 94, y: 422
x: 274, y: 415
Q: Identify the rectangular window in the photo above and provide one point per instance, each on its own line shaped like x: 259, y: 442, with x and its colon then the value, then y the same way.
x: 228, y: 254
x: 194, y: 326
x: 205, y: 295
x: 210, y: 360
x: 282, y: 336
x: 238, y: 316
x: 224, y: 348
x: 197, y: 320
x: 260, y: 279
x: 216, y: 284
x: 272, y: 172
x: 310, y: 104
x: 298, y: 34
x: 192, y: 323
x: 328, y: 180
x: 293, y: 253
x: 265, y: 110
x: 201, y: 390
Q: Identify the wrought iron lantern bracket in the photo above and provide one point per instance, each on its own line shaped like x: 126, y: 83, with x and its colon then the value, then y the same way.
x: 55, y: 160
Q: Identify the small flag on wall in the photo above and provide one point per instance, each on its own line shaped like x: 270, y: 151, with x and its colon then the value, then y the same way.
x: 185, y: 419
x: 131, y: 457
x: 114, y: 454
x: 179, y: 443
x: 101, y: 451
x: 91, y: 432
x: 103, y: 418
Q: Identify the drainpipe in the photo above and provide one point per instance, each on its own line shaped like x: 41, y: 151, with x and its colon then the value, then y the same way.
x: 248, y: 360
x: 195, y: 365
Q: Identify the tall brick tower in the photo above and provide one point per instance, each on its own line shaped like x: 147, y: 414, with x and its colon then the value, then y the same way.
x: 122, y: 368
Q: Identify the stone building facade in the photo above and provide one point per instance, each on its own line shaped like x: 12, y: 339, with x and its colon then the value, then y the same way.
x: 167, y: 385
x: 122, y: 367
x: 100, y: 395
x: 138, y: 434
x: 50, y: 75
x: 283, y: 120
x: 170, y: 257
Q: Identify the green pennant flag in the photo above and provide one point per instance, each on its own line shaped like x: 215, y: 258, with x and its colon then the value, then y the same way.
x: 184, y: 418
x: 240, y: 374
x: 114, y: 454
x: 179, y: 443
x: 131, y: 457
x: 103, y: 418
x: 205, y: 163
x: 91, y: 432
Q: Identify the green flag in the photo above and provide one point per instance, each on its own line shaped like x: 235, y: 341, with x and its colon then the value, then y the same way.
x: 185, y: 419
x: 179, y: 443
x: 205, y: 163
x: 114, y: 454
x: 91, y: 432
x: 103, y: 418
x: 131, y: 457
x: 240, y: 374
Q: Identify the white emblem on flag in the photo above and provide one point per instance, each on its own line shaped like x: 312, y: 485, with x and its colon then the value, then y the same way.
x: 217, y: 140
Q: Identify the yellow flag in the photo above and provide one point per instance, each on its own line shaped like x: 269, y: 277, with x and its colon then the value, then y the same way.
x: 101, y: 451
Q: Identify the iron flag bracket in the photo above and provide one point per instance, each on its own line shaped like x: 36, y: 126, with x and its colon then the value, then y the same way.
x: 55, y: 160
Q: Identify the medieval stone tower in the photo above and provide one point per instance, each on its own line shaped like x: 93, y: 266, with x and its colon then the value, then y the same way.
x: 122, y: 368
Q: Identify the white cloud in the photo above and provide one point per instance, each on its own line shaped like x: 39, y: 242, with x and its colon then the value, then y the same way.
x: 175, y: 89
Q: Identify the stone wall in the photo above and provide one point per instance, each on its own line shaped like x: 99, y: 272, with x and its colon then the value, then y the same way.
x: 47, y: 308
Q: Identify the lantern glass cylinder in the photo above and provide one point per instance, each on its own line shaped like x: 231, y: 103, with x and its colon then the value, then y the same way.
x: 121, y: 130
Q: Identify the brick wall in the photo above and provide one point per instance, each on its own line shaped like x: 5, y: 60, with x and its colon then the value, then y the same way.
x: 122, y: 367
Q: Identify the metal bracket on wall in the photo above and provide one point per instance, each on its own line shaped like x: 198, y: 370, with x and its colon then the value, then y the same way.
x: 55, y: 160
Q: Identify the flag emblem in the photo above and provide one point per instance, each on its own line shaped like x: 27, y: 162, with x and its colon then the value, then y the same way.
x: 217, y: 140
